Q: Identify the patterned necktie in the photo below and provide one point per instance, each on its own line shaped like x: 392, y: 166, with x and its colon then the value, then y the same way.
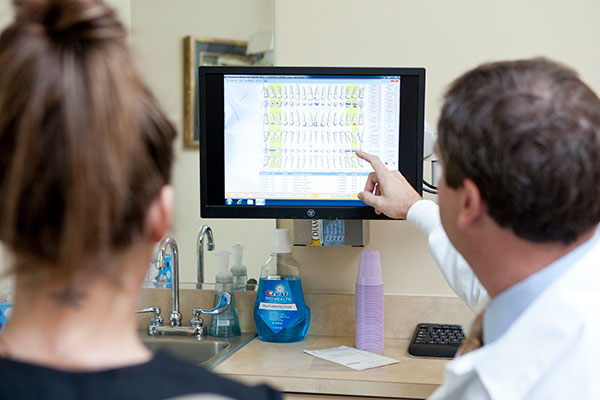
x: 474, y: 339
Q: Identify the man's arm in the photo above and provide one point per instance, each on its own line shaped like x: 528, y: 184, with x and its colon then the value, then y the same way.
x: 425, y: 215
x: 391, y: 194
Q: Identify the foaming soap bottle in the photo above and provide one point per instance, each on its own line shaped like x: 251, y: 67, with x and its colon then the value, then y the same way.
x: 238, y: 269
x: 227, y: 323
x: 369, y: 302
x: 280, y: 314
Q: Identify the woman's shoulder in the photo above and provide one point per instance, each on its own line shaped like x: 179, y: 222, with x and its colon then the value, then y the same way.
x: 163, y: 377
x: 197, y: 379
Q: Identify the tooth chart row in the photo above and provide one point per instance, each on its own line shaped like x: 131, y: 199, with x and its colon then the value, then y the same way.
x: 289, y: 149
x: 316, y: 137
x: 308, y: 161
x: 324, y: 92
x: 317, y: 118
x: 316, y: 127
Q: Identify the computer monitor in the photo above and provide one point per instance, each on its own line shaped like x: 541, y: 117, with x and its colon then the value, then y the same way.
x: 280, y: 142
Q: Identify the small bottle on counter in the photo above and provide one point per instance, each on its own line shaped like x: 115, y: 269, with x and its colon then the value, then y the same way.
x: 227, y: 323
x: 238, y: 269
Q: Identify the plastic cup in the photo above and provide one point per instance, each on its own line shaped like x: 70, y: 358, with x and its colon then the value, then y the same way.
x: 369, y: 302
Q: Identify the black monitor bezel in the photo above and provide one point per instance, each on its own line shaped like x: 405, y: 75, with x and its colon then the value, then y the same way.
x: 211, y: 103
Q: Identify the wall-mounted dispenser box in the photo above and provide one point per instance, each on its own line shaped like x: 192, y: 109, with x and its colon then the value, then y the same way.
x: 325, y: 232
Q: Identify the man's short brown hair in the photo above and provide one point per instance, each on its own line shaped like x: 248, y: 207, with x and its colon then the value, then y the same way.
x: 528, y: 134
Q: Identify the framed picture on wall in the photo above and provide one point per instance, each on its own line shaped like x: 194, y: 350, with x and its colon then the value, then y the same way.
x: 204, y: 51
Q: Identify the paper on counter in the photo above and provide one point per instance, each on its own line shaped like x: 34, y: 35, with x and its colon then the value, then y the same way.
x: 352, y: 358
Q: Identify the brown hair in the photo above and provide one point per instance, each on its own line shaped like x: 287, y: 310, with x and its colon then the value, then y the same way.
x: 528, y: 134
x: 84, y: 147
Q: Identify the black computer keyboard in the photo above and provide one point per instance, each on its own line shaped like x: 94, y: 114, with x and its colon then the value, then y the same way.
x: 436, y: 340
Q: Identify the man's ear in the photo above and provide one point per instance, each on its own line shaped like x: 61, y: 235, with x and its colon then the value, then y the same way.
x: 160, y: 214
x: 471, y: 206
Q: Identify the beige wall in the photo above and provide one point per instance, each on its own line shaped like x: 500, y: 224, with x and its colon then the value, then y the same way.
x: 157, y: 31
x: 6, y: 14
x: 447, y: 38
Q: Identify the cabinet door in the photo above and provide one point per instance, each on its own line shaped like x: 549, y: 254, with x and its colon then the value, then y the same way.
x: 311, y: 396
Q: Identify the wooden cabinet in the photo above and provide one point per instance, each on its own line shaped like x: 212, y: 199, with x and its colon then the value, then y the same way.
x: 310, y: 396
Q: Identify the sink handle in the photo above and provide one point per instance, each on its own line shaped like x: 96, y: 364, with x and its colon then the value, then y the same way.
x: 155, y: 310
x: 197, y: 322
x: 222, y: 306
x: 156, y: 320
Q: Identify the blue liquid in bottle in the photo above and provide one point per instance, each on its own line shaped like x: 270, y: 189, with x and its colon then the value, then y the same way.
x: 280, y: 313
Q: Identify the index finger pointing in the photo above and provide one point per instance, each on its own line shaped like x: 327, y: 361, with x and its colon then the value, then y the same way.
x: 372, y: 159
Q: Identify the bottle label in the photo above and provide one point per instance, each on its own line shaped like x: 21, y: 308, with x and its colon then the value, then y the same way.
x: 5, y: 313
x: 277, y: 307
x: 165, y: 275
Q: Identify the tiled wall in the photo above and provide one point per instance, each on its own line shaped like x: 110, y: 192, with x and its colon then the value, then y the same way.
x: 331, y: 314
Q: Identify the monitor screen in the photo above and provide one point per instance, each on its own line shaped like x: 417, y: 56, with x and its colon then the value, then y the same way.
x: 280, y: 142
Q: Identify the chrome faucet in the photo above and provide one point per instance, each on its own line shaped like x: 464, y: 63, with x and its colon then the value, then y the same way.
x: 175, y: 317
x: 196, y: 327
x: 210, y: 245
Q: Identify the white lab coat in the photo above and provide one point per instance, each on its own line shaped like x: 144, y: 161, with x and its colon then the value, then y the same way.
x: 551, y: 351
x: 425, y: 215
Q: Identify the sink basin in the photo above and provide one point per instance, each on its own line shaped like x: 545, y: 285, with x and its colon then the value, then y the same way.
x: 187, y: 348
x: 208, y: 352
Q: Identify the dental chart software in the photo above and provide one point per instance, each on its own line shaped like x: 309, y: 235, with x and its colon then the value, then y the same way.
x: 291, y: 140
x: 281, y: 142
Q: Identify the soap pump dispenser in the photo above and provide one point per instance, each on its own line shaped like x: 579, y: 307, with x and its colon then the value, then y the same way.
x: 225, y: 324
x: 238, y: 269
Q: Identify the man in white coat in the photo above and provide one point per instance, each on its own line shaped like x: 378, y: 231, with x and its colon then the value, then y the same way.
x: 519, y: 205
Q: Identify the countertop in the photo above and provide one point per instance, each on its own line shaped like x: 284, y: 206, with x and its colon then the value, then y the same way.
x: 286, y: 367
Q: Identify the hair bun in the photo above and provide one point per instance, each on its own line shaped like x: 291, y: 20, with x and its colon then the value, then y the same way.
x: 72, y: 20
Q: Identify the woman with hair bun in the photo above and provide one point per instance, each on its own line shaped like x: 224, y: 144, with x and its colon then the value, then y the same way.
x: 85, y: 164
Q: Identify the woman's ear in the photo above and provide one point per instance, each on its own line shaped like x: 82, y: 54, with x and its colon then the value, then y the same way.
x: 160, y: 214
x: 471, y: 204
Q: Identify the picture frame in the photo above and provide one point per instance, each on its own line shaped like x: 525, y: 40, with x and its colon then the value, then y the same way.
x: 205, y: 51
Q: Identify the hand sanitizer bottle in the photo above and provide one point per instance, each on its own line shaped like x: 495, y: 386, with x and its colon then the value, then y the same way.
x: 280, y: 314
x: 239, y: 271
x: 227, y: 323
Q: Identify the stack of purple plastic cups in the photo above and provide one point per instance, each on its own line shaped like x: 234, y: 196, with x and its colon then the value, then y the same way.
x: 369, y: 302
